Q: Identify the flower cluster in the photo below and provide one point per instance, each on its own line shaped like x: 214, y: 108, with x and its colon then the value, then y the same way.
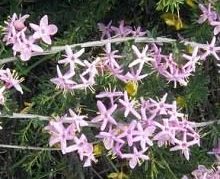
x: 109, y: 31
x: 166, y: 66
x: 151, y: 56
x: 203, y: 173
x: 127, y: 128
x: 23, y: 41
x: 80, y: 74
x: 147, y: 121
x: 66, y: 131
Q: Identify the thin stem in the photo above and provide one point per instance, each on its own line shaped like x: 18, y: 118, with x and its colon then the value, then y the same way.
x: 56, y: 49
x: 33, y: 116
x: 28, y: 147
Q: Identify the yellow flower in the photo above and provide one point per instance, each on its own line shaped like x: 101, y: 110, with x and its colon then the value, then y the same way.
x: 27, y: 108
x: 181, y: 102
x: 173, y: 20
x: 98, y: 150
x: 131, y: 87
x: 117, y: 175
x: 191, y: 3
x: 189, y: 49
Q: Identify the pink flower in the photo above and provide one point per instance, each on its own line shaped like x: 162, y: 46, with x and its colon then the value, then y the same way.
x: 63, y: 82
x: 60, y: 134
x: 26, y: 47
x: 122, y: 30
x: 110, y: 138
x: 217, y: 27
x: 72, y: 58
x: 128, y: 131
x: 44, y: 30
x: 137, y: 32
x: 105, y: 115
x: 83, y: 148
x: 11, y: 79
x: 142, y: 57
x: 143, y: 135
x: 184, y: 145
x: 110, y: 94
x: 76, y: 119
x: 210, y: 49
x: 105, y: 29
x: 135, y: 157
x: 110, y: 57
x: 14, y: 25
x: 207, y: 14
x: 129, y: 106
x: 192, y: 60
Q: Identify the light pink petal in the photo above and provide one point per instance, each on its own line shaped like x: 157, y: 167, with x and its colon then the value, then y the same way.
x: 132, y: 162
x: 101, y: 107
x: 44, y: 21
x: 135, y: 49
x: 47, y: 39
x: 36, y: 48
x: 53, y: 140
x: 79, y: 53
x: 52, y: 29
x: 216, y: 30
x: 25, y: 56
x: 36, y: 35
x: 35, y: 27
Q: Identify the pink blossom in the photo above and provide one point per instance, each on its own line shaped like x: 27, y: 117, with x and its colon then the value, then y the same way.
x: 63, y: 82
x: 11, y: 79
x: 137, y: 32
x: 105, y: 29
x: 44, y: 30
x: 142, y: 57
x: 122, y: 30
x: 129, y: 106
x: 110, y: 138
x: 135, y: 157
x: 83, y: 148
x: 210, y: 49
x: 105, y: 115
x: 128, y: 131
x: 72, y: 58
x: 207, y: 14
x: 110, y: 94
x: 60, y: 134
x: 14, y: 25
x: 76, y: 119
x: 110, y: 57
x: 26, y: 47
x: 184, y: 145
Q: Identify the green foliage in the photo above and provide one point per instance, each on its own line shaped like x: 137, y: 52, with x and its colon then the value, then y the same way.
x: 77, y: 21
x: 169, y: 5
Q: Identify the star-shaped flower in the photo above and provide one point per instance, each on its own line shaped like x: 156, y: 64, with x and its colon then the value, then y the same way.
x: 63, y: 82
x: 129, y: 106
x: 207, y: 14
x: 44, y: 30
x: 210, y: 49
x: 72, y: 58
x: 142, y: 57
x: 105, y: 115
x: 135, y: 157
x: 77, y: 119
